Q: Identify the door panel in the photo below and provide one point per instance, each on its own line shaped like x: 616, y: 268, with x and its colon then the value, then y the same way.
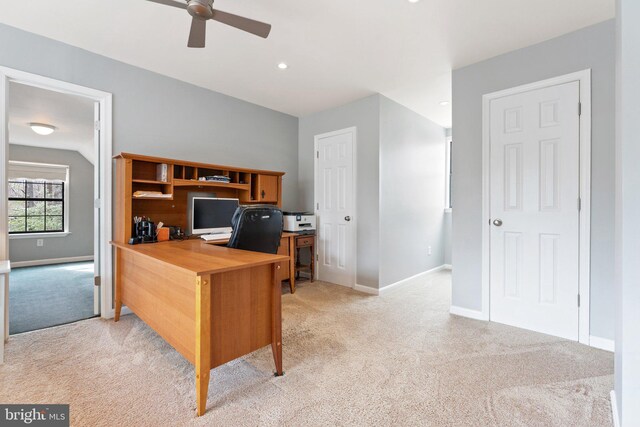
x: 534, y: 181
x: 335, y: 205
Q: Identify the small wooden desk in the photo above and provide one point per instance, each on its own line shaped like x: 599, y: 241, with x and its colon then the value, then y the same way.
x: 212, y: 304
x: 305, y: 241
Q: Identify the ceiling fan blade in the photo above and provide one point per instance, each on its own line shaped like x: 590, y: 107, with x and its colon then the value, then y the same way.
x: 245, y: 24
x: 197, y: 33
x: 179, y: 5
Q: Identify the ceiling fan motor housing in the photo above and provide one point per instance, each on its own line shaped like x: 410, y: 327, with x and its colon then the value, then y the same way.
x: 200, y: 8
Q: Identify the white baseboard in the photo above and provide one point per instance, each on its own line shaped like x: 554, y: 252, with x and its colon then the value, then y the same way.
x: 51, y: 261
x: 446, y: 266
x: 466, y: 312
x: 341, y: 284
x: 366, y: 289
x: 374, y: 291
x: 614, y: 409
x: 408, y: 280
x: 602, y: 343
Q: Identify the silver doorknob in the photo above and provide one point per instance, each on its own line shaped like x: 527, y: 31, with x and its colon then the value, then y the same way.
x: 497, y: 222
x: 347, y: 218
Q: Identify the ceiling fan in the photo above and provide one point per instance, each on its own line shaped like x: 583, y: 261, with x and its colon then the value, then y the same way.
x: 202, y: 10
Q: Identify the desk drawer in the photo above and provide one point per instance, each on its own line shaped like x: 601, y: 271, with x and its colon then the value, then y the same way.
x: 304, y: 241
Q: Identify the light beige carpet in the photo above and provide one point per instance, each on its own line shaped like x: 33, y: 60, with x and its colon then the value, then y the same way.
x: 349, y: 359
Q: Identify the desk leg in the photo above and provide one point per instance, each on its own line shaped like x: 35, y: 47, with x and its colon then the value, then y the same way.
x: 276, y: 324
x: 292, y: 264
x: 117, y: 298
x: 312, y: 249
x: 203, y: 341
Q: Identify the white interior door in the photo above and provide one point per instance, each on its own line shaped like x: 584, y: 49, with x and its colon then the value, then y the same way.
x: 534, y: 191
x: 4, y: 221
x: 96, y: 210
x: 335, y: 207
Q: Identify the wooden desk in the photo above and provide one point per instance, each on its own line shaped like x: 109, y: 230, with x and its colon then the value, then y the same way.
x: 287, y: 247
x: 212, y: 304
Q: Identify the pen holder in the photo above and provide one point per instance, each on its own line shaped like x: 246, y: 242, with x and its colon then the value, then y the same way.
x: 145, y: 231
x: 163, y: 234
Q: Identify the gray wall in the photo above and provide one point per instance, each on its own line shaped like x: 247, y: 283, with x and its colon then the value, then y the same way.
x: 447, y: 227
x: 446, y: 230
x: 592, y: 47
x: 161, y: 116
x: 364, y: 115
x: 412, y: 188
x: 400, y: 185
x: 627, y: 364
x: 80, y: 208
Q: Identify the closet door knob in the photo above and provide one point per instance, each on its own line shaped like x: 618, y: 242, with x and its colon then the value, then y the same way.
x: 497, y: 222
x: 347, y: 218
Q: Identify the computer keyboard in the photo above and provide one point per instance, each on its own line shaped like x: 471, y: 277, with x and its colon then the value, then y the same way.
x: 219, y: 236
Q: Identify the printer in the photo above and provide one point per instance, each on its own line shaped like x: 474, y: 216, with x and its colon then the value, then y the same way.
x: 299, y: 222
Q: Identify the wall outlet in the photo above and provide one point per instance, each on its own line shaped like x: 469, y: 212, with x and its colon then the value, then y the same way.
x: 40, y: 242
x: 429, y: 250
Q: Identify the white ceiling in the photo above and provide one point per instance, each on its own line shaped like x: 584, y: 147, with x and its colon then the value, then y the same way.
x: 337, y: 50
x: 72, y: 116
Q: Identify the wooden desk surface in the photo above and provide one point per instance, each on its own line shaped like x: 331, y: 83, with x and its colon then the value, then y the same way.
x: 199, y: 258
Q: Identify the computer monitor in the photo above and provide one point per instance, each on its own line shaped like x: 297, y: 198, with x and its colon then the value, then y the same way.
x: 212, y: 215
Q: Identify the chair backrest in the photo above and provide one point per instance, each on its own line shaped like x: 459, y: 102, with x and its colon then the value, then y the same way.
x: 256, y: 228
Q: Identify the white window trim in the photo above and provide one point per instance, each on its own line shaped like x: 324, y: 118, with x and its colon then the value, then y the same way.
x: 447, y: 176
x: 38, y: 235
x: 67, y: 188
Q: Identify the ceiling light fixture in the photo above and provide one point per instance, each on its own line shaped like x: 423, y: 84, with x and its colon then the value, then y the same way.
x: 444, y: 103
x: 283, y: 66
x: 42, y: 129
x: 414, y: 1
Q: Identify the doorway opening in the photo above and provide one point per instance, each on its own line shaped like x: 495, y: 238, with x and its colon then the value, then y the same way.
x: 51, y: 186
x: 55, y: 221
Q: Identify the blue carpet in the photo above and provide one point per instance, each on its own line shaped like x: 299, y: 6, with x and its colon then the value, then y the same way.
x: 49, y: 295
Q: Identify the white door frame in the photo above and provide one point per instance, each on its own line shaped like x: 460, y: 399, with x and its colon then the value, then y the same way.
x: 584, y: 279
x: 316, y: 196
x: 104, y: 162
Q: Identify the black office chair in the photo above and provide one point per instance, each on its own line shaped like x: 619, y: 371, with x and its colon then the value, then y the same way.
x: 256, y: 228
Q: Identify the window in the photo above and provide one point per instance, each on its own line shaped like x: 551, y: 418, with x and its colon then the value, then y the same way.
x: 448, y: 172
x: 37, y: 202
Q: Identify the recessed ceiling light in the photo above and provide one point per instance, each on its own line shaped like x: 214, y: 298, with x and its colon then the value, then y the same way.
x: 414, y: 1
x: 42, y: 129
x: 283, y: 66
x: 444, y: 103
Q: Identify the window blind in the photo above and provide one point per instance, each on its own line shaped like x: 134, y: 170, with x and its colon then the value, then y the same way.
x: 28, y: 170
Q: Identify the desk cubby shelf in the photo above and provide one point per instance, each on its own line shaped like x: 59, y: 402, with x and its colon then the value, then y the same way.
x: 149, y: 181
x: 193, y: 182
x: 140, y: 173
